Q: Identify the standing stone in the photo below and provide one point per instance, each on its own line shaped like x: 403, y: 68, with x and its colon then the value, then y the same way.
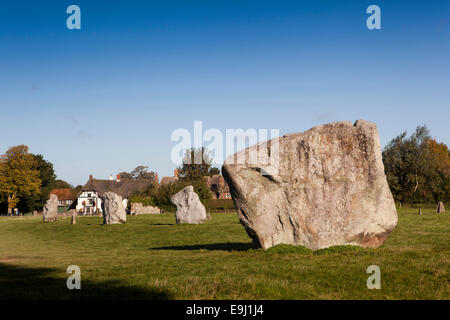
x: 113, y: 209
x: 326, y: 188
x: 139, y: 208
x: 189, y: 207
x: 51, y: 209
x: 440, y: 207
x: 74, y: 216
x: 420, y: 211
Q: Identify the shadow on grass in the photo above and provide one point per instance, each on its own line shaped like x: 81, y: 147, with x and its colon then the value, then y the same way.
x: 229, y: 246
x: 17, y: 282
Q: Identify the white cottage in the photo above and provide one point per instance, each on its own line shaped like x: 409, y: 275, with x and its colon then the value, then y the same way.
x: 89, y: 200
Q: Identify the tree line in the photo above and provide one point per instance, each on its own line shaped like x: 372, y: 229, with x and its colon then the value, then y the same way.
x: 26, y: 180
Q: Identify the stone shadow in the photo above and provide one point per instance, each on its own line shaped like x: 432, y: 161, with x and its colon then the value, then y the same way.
x: 22, y: 283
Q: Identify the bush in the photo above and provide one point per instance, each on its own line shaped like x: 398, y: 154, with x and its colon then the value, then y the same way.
x: 161, y: 195
x: 145, y: 200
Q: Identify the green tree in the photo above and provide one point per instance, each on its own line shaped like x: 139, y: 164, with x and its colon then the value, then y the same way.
x: 49, y: 182
x: 142, y: 173
x: 125, y: 175
x: 196, y: 164
x: 48, y: 178
x: 412, y: 168
x: 139, y: 173
x: 161, y: 195
x: 213, y: 171
x: 18, y: 176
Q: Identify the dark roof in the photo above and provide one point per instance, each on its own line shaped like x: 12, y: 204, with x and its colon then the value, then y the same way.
x: 124, y: 188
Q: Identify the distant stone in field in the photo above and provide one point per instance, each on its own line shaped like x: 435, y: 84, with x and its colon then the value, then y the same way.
x: 326, y: 188
x: 189, y: 207
x: 440, y: 207
x: 420, y: 211
x: 139, y: 208
x: 51, y: 209
x: 74, y: 216
x: 113, y: 209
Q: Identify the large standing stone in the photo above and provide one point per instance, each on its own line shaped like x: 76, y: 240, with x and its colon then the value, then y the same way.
x: 113, y: 209
x: 330, y: 188
x: 440, y: 207
x: 51, y: 209
x: 189, y: 207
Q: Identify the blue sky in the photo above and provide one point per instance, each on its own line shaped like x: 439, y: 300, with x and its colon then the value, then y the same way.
x: 106, y: 98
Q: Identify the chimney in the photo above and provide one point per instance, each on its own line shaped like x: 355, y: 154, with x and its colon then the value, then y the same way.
x: 91, y: 177
x: 111, y: 177
x: 118, y: 178
x: 175, y: 173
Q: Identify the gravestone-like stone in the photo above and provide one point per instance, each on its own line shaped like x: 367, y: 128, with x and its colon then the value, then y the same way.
x: 51, y: 209
x: 74, y: 216
x: 440, y: 207
x: 327, y: 187
x: 420, y: 211
x: 189, y: 207
x: 113, y: 209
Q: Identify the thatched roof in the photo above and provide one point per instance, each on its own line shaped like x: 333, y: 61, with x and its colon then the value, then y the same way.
x: 124, y: 188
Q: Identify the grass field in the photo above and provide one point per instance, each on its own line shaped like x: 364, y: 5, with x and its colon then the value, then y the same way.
x: 151, y: 257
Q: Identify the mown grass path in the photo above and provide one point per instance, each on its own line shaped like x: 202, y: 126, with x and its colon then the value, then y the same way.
x: 151, y: 257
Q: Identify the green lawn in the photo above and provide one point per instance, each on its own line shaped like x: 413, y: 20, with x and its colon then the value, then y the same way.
x: 151, y: 257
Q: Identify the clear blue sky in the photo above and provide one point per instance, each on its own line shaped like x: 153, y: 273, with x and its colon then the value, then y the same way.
x: 107, y: 97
